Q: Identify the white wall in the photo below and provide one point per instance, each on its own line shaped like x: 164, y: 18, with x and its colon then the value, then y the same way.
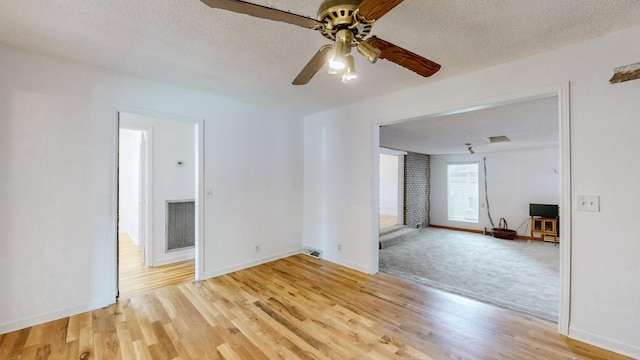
x: 514, y: 179
x: 340, y: 164
x: 58, y: 194
x: 171, y: 141
x: 389, y: 184
x: 338, y: 190
x: 255, y: 171
x: 129, y: 184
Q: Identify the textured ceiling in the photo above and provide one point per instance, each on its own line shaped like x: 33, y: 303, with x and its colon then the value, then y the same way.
x: 185, y: 42
x: 529, y: 125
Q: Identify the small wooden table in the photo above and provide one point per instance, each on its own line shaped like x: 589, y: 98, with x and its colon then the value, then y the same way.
x: 544, y: 227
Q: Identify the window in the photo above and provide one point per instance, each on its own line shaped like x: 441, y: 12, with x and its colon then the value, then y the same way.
x: 462, y: 191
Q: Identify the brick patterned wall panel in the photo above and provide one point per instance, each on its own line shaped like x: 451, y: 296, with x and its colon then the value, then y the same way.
x: 416, y: 190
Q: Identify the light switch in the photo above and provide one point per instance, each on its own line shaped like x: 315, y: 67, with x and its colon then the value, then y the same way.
x: 588, y: 203
x: 208, y: 193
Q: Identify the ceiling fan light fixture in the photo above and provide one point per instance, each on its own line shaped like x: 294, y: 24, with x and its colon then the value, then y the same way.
x: 350, y: 71
x: 338, y: 60
x: 369, y: 52
x: 341, y: 48
x: 337, y: 63
x: 332, y: 71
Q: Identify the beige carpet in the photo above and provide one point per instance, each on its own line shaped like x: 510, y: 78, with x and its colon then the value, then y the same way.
x: 516, y: 274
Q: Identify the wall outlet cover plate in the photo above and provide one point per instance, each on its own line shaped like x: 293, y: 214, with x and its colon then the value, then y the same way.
x: 588, y: 203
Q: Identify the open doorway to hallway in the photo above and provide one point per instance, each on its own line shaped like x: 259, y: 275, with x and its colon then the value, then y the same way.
x: 157, y: 213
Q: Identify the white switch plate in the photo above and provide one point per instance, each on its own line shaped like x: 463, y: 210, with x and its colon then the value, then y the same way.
x: 588, y: 203
x: 208, y: 193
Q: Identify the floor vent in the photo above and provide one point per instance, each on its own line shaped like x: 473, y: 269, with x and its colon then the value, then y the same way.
x: 314, y: 253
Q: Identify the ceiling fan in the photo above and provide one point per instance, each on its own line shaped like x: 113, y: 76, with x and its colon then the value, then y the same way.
x: 347, y: 23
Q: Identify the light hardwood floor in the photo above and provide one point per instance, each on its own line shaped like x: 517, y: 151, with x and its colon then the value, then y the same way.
x: 387, y: 221
x: 297, y: 308
x: 135, y: 278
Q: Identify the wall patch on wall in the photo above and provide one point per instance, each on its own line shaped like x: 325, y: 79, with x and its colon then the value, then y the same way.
x: 625, y: 73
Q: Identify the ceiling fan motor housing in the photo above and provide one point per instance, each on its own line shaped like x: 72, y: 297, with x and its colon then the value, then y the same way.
x: 341, y: 14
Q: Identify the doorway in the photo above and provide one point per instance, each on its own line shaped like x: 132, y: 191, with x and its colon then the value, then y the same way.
x: 561, y: 94
x: 391, y: 192
x: 159, y: 207
x: 133, y: 191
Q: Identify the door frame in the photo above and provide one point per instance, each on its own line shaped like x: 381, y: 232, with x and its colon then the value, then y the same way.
x: 562, y: 92
x: 199, y: 185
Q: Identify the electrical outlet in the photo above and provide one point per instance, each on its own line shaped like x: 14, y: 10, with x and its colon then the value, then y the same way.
x: 257, y: 249
x: 339, y: 247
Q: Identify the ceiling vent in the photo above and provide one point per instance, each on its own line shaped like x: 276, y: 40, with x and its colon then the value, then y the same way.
x: 497, y: 139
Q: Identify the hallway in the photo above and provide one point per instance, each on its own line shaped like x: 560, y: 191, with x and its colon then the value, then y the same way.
x: 135, y: 278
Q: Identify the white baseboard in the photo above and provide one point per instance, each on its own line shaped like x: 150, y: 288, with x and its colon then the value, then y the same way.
x: 135, y: 240
x: 14, y: 325
x: 174, y: 256
x: 251, y: 263
x: 348, y: 264
x: 605, y: 343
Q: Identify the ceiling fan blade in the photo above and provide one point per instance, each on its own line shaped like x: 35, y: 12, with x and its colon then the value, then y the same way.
x: 404, y: 58
x: 313, y: 66
x: 264, y: 12
x: 372, y: 10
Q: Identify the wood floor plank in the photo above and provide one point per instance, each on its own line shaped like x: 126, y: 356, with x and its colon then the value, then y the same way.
x: 30, y: 352
x: 141, y: 350
x: 124, y: 340
x: 76, y: 323
x: 85, y: 342
x: 259, y: 338
x: 297, y: 308
x: 135, y: 278
x: 143, y: 319
x: 12, y: 344
x: 226, y: 351
x: 164, y: 345
x: 386, y: 221
x: 201, y: 303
